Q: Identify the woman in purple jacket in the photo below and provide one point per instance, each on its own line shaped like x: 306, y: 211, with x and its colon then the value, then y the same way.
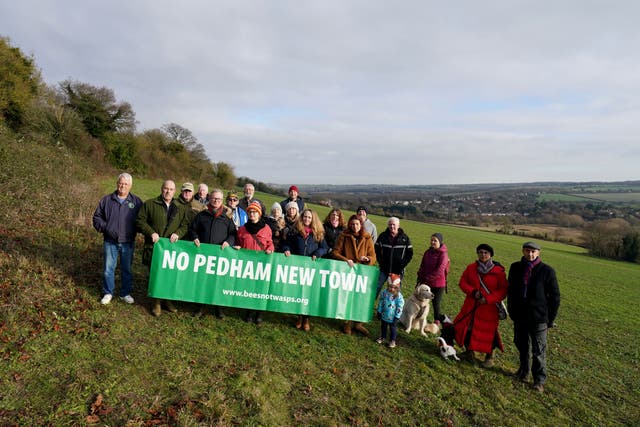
x: 433, y: 272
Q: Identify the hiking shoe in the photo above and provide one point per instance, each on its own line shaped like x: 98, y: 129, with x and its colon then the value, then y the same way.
x: 488, y: 362
x: 106, y: 299
x: 392, y: 344
x: 172, y: 308
x: 380, y: 340
x: 360, y: 328
x: 156, y: 309
x: 538, y: 387
x: 128, y: 299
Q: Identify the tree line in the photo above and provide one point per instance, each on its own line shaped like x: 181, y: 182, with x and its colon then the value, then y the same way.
x: 89, y: 120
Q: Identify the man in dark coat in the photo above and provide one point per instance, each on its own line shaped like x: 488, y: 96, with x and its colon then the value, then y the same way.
x: 214, y: 226
x: 533, y: 302
x: 115, y: 218
x: 161, y: 217
x: 393, y: 250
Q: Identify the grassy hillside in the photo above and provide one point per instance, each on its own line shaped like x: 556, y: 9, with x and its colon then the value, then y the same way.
x: 61, y: 349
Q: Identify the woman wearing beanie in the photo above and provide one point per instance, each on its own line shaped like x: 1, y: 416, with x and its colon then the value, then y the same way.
x: 433, y: 272
x: 484, y: 283
x: 255, y: 234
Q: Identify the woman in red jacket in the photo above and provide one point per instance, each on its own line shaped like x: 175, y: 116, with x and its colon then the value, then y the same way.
x: 255, y: 234
x: 476, y: 326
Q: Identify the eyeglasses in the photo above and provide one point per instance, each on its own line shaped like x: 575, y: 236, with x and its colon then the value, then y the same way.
x: 217, y: 199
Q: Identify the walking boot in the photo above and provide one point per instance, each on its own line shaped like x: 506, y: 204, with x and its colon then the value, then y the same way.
x: 299, y: 322
x: 172, y: 308
x: 305, y: 324
x: 347, y: 327
x: 489, y: 361
x: 360, y: 328
x: 156, y: 309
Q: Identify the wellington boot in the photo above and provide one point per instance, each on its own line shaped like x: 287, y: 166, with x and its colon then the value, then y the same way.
x: 172, y: 308
x: 156, y: 309
x: 360, y: 328
x: 305, y: 325
x: 347, y: 327
x: 299, y: 322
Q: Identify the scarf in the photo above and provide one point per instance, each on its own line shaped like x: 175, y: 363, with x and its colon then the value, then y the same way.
x: 254, y: 227
x: 217, y: 213
x: 307, y: 232
x: 484, y: 267
x: 527, y: 274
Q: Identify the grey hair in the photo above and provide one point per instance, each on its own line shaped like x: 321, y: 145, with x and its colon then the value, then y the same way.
x: 394, y: 219
x: 201, y: 185
x: 125, y: 176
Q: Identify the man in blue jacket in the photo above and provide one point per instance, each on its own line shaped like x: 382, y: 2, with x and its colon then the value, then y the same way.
x: 533, y: 302
x: 115, y: 218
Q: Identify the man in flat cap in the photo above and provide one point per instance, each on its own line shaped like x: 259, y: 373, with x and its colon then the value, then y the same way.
x: 533, y: 301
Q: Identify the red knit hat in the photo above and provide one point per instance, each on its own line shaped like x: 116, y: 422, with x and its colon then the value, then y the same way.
x: 394, y: 279
x: 294, y: 188
x: 254, y: 206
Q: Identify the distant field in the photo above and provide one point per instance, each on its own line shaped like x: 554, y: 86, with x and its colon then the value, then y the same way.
x: 590, y: 197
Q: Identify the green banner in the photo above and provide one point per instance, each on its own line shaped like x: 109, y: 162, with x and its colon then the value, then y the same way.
x: 252, y: 279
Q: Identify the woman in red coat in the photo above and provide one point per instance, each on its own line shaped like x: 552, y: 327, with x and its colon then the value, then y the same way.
x: 255, y: 234
x: 476, y: 326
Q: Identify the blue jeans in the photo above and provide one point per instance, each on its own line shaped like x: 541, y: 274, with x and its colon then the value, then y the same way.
x: 111, y: 251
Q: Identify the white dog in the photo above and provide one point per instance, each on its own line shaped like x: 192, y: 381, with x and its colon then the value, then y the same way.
x: 447, y: 350
x: 416, y: 309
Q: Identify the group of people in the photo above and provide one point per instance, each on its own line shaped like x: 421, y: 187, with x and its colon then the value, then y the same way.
x: 289, y: 227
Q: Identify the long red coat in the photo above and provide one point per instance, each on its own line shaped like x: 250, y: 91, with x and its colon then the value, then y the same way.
x: 484, y: 321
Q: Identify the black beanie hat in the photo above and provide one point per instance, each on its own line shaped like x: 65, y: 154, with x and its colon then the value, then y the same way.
x: 439, y: 237
x: 484, y: 246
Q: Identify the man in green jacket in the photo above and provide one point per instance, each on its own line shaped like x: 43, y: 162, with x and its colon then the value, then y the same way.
x: 161, y: 217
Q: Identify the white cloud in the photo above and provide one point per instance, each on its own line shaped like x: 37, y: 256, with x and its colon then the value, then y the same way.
x: 365, y: 91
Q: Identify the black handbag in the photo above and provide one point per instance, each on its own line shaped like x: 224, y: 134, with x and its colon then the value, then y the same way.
x: 502, y: 309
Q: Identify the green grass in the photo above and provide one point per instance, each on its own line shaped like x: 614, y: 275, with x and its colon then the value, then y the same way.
x: 60, y: 348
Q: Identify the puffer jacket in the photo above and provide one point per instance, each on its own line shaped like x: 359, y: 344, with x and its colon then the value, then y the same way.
x: 245, y: 240
x: 390, y: 306
x: 432, y: 271
x: 479, y: 322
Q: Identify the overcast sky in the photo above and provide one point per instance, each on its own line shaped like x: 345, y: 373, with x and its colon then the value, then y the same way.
x: 357, y: 92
